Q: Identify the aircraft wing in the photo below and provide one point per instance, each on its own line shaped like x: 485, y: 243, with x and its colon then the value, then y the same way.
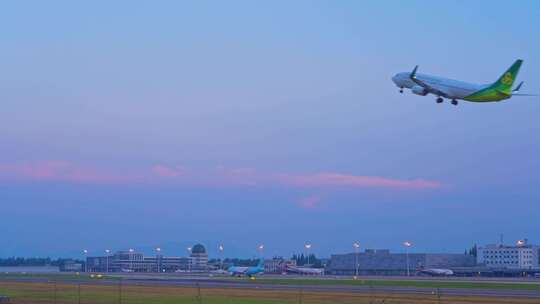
x: 427, y: 87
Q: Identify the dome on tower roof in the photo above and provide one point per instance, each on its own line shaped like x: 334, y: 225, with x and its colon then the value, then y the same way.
x: 198, y: 248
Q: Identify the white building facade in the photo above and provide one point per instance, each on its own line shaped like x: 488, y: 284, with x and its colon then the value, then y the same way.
x: 521, y: 256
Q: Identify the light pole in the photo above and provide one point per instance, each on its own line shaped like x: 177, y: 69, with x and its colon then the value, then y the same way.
x: 308, y: 247
x: 107, y: 251
x: 221, y: 248
x: 131, y: 259
x: 261, y: 250
x: 356, y: 246
x: 189, y: 258
x: 158, y: 268
x: 85, y: 251
x: 407, y: 245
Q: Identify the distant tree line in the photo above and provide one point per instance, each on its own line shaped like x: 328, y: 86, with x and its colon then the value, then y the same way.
x: 473, y: 251
x: 302, y: 260
x: 18, y: 261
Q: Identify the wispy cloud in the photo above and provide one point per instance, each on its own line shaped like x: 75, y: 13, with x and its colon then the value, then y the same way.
x: 59, y: 171
x: 168, y: 172
x: 219, y: 177
x: 355, y: 181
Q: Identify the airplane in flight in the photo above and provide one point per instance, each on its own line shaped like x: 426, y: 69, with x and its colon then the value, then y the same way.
x: 247, y: 271
x: 422, y: 84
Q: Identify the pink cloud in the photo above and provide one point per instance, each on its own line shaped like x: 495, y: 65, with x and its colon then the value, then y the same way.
x: 355, y: 181
x: 57, y: 171
x: 219, y: 177
x: 163, y: 171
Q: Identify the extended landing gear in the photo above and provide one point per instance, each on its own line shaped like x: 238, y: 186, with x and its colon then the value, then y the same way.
x: 401, y: 90
x: 439, y: 99
x: 454, y: 102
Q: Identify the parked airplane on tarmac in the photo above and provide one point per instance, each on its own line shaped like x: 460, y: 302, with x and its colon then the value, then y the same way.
x: 304, y: 270
x: 436, y: 272
x: 247, y: 271
x: 422, y: 84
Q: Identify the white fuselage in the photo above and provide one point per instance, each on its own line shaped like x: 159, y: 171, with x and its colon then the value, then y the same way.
x: 437, y: 272
x: 305, y: 270
x: 454, y: 89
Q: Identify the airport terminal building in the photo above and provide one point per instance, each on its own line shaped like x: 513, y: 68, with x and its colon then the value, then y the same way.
x: 383, y: 262
x: 132, y: 261
x: 519, y: 257
x: 127, y: 261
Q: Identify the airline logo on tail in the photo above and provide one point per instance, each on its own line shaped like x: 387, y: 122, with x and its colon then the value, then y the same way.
x: 503, y: 86
x: 507, y: 79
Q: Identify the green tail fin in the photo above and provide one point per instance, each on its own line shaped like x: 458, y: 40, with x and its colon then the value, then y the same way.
x: 505, y: 82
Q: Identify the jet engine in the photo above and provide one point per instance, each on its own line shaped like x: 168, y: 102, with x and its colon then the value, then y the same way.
x: 418, y: 90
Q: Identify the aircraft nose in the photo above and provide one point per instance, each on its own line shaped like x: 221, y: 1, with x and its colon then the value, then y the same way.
x: 395, y: 79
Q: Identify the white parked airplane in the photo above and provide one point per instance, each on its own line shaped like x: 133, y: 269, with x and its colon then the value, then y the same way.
x: 304, y: 270
x: 422, y: 84
x: 436, y: 272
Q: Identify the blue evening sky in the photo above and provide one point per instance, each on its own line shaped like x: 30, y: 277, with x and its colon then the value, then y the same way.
x: 163, y: 123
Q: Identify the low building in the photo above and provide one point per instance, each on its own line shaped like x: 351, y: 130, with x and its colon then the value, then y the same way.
x: 131, y: 261
x: 521, y: 256
x: 383, y: 262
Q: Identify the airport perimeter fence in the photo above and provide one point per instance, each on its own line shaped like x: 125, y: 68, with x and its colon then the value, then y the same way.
x: 112, y: 292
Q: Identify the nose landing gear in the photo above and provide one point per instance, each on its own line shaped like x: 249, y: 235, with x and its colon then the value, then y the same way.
x: 401, y: 90
x: 454, y: 102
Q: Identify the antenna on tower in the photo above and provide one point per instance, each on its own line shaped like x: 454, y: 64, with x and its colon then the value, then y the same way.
x: 501, y: 241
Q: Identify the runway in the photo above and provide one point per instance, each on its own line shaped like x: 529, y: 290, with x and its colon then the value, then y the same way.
x: 205, y: 282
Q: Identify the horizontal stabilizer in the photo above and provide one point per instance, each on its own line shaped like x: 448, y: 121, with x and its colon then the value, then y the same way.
x: 518, y: 94
x: 518, y: 87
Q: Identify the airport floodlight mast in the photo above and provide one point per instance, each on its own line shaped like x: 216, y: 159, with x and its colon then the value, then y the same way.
x: 189, y: 258
x: 407, y: 245
x: 261, y: 250
x: 158, y: 251
x: 85, y: 251
x: 308, y: 247
x: 107, y: 252
x: 356, y: 246
x: 220, y: 249
x: 131, y: 258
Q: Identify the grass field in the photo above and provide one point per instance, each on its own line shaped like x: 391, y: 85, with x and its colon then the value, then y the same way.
x: 71, y: 293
